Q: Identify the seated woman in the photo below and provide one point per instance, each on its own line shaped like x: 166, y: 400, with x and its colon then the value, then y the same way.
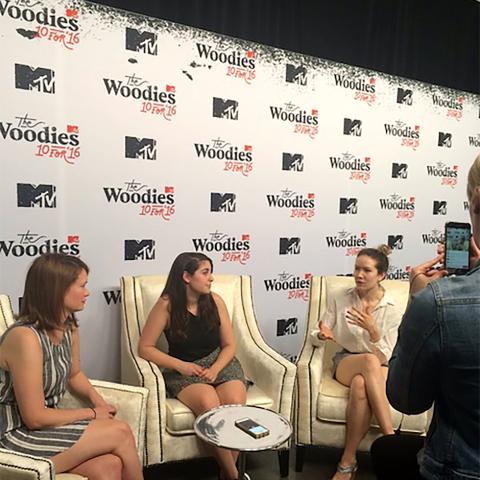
x: 364, y: 321
x: 202, y: 371
x: 39, y: 358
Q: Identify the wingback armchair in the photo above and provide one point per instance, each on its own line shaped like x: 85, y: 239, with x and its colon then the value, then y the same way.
x: 130, y: 401
x: 321, y: 401
x: 169, y: 430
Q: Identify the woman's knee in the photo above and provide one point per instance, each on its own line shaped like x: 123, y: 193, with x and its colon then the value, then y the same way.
x: 357, y: 388
x: 106, y: 467
x: 371, y: 364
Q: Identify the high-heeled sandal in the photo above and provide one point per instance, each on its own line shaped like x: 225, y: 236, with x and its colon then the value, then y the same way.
x: 352, y: 469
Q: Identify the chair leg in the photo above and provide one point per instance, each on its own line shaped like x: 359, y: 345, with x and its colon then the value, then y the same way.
x: 283, y: 460
x: 299, y: 457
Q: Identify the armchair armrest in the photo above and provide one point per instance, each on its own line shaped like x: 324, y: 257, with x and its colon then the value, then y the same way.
x: 269, y: 370
x: 18, y: 466
x: 130, y: 401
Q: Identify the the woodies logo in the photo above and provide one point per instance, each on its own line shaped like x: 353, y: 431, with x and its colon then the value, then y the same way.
x: 409, y: 135
x: 32, y: 244
x: 359, y: 168
x: 112, y: 297
x: 363, y: 88
x: 48, y: 140
x: 296, y: 287
x: 139, y: 41
x: 300, y: 205
x: 398, y: 273
x: 154, y: 99
x: 239, y: 63
x: 153, y: 201
x: 230, y: 247
x: 350, y: 242
x: 404, y: 96
x: 42, y: 195
x: 47, y: 23
x: 433, y: 238
x: 405, y: 207
x: 296, y: 74
x: 453, y: 105
x: 474, y: 140
x: 235, y: 158
x: 446, y: 174
x: 305, y: 122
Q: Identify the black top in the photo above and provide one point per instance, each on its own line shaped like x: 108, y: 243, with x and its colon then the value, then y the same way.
x: 199, y: 342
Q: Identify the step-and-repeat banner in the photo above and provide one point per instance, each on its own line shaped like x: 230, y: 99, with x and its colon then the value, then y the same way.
x: 127, y: 140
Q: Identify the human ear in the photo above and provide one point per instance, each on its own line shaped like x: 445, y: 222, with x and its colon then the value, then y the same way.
x: 186, y: 277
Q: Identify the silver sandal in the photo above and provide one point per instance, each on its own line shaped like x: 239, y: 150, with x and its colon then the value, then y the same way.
x: 350, y: 469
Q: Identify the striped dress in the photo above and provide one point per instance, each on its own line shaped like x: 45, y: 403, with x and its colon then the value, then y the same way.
x: 45, y: 442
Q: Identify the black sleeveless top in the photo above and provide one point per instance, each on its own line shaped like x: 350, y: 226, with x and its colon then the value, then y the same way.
x: 199, y: 342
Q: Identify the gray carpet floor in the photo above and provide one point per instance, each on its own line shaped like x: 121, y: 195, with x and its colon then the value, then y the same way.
x: 319, y: 465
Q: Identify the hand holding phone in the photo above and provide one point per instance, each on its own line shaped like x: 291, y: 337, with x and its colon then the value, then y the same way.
x: 457, y: 247
x: 251, y: 427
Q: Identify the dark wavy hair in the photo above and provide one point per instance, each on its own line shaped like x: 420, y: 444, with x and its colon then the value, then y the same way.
x: 176, y: 292
x: 379, y: 255
x: 48, y: 279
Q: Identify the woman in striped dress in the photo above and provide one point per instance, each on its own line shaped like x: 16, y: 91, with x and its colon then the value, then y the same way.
x: 39, y: 359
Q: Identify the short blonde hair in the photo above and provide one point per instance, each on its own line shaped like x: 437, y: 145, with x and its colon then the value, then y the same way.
x: 473, y: 178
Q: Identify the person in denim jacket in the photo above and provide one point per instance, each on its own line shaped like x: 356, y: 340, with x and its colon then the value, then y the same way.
x: 437, y: 359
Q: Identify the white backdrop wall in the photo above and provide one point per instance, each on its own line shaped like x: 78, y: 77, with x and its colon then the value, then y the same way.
x: 126, y: 140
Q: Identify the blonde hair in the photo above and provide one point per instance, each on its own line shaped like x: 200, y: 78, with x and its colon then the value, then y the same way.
x: 473, y: 178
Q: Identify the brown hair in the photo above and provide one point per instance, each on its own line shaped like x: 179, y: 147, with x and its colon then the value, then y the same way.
x: 48, y: 279
x: 379, y: 255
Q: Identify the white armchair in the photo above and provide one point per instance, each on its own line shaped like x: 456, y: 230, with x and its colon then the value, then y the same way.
x: 321, y: 401
x: 169, y: 432
x: 130, y: 401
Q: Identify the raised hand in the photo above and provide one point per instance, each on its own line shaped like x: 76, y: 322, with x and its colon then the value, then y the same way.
x: 423, y: 274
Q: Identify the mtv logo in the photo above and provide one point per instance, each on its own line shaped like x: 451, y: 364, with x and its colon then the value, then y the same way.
x: 138, y: 41
x: 348, y: 206
x: 222, y: 202
x: 444, y: 139
x: 404, y: 96
x: 352, y: 127
x: 289, y: 246
x: 29, y: 78
x: 395, y: 242
x: 225, y: 108
x: 140, y: 148
x: 43, y: 196
x: 287, y: 326
x: 439, y: 207
x: 292, y: 161
x: 399, y: 170
x: 139, y: 249
x: 294, y: 74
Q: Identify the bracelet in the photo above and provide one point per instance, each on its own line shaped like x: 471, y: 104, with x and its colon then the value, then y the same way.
x: 94, y: 413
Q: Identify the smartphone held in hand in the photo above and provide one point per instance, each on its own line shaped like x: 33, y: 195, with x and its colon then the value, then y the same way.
x: 457, y: 247
x: 251, y: 427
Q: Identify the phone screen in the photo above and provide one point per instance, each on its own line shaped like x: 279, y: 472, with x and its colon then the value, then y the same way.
x: 251, y: 427
x: 457, y: 244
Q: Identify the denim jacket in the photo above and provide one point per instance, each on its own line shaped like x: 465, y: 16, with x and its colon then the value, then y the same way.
x: 437, y: 360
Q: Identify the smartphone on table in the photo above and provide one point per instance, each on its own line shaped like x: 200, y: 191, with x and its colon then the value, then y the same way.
x: 251, y: 427
x: 457, y: 247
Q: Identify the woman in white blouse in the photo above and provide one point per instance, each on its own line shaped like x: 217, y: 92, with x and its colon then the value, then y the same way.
x: 363, y: 320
